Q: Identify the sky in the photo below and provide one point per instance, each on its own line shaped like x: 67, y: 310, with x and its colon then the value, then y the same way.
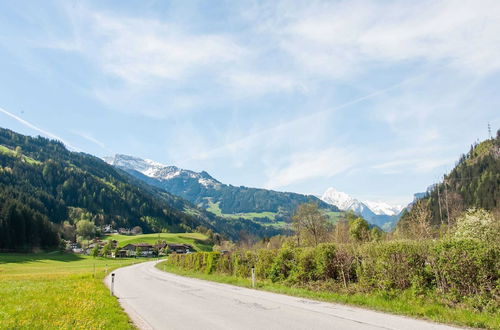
x: 375, y: 98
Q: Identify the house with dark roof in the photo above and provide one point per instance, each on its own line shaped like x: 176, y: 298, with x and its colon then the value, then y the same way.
x: 181, y: 248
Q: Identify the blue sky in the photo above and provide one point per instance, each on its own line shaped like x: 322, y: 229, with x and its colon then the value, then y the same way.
x: 375, y: 98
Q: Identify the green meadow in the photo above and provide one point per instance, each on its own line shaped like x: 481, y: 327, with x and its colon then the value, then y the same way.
x: 58, y: 291
x: 197, y: 240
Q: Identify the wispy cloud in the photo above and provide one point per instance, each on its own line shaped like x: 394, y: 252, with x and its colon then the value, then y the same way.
x: 312, y: 164
x: 344, y: 38
x: 36, y: 128
x: 89, y: 137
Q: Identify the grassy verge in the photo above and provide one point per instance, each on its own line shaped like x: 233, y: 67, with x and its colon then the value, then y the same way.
x: 58, y: 291
x: 404, y: 303
x: 197, y: 240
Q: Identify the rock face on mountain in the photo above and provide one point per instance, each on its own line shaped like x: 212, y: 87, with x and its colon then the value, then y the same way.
x: 377, y: 213
x: 207, y: 192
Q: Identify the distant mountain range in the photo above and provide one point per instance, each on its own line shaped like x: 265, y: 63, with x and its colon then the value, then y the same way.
x: 378, y: 213
x: 256, y: 204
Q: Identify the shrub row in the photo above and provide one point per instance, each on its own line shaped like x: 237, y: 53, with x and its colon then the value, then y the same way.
x: 456, y: 268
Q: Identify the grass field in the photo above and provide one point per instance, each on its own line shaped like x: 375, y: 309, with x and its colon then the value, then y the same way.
x: 333, y: 217
x: 58, y: 291
x: 197, y: 240
x: 215, y: 209
x: 12, y: 153
x: 404, y: 303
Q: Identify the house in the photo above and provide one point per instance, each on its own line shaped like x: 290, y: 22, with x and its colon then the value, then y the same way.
x: 146, y: 249
x: 180, y: 248
x: 124, y: 231
x: 108, y: 229
x: 160, y: 246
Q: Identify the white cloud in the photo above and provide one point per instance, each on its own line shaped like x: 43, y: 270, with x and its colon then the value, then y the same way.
x: 343, y: 38
x: 140, y: 50
x: 311, y: 164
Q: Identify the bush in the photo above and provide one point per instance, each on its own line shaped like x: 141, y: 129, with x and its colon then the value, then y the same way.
x: 304, y: 269
x: 283, y: 264
x: 465, y: 267
x: 393, y: 265
x: 243, y: 263
x: 478, y: 224
x: 464, y: 270
x: 264, y: 262
x: 325, y: 259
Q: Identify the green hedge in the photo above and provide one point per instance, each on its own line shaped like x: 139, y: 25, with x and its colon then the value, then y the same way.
x: 462, y: 270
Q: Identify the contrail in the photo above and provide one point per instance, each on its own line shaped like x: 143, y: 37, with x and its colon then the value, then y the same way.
x: 295, y: 120
x: 38, y: 129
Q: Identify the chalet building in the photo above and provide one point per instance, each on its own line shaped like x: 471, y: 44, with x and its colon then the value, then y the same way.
x: 146, y: 249
x: 180, y: 248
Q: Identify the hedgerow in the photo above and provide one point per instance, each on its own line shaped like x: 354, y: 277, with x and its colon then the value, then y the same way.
x: 459, y: 270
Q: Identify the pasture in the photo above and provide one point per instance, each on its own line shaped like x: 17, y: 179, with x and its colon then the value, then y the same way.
x: 58, y: 291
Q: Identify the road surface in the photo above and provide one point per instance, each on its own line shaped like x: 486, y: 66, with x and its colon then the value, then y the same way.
x: 158, y: 300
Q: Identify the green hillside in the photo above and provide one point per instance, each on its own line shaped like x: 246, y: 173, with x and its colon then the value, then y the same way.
x: 197, y: 240
x: 473, y: 183
x: 40, y: 181
x: 45, y: 190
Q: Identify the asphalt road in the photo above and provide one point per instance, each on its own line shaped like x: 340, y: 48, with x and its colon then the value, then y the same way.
x: 158, y: 300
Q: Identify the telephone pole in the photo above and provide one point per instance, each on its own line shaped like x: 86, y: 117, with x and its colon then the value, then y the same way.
x: 446, y: 200
x: 439, y: 204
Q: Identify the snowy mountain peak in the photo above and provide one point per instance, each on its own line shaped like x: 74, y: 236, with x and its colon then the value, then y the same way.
x: 157, y: 170
x: 347, y: 203
x: 340, y: 199
x: 381, y: 208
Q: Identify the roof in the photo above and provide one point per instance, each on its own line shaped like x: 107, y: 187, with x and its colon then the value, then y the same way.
x: 185, y: 246
x: 143, y: 245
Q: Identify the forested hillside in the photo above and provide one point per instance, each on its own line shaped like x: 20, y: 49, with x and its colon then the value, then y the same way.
x: 473, y: 183
x: 44, y: 189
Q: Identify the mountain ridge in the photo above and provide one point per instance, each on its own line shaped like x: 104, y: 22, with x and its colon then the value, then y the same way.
x: 203, y: 190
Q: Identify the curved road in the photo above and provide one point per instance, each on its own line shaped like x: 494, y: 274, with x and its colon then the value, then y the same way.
x: 158, y: 300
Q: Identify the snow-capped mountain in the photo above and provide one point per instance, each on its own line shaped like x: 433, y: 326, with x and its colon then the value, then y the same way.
x: 380, y: 208
x: 208, y: 193
x: 343, y: 201
x: 158, y: 171
x: 378, y: 213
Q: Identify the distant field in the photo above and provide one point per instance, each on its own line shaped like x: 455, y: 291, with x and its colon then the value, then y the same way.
x: 215, y: 209
x: 12, y: 153
x: 58, y: 291
x: 333, y: 217
x: 195, y: 239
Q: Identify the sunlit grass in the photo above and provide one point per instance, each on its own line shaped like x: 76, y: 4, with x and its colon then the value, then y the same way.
x: 58, y: 291
x: 12, y: 153
x: 197, y: 240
